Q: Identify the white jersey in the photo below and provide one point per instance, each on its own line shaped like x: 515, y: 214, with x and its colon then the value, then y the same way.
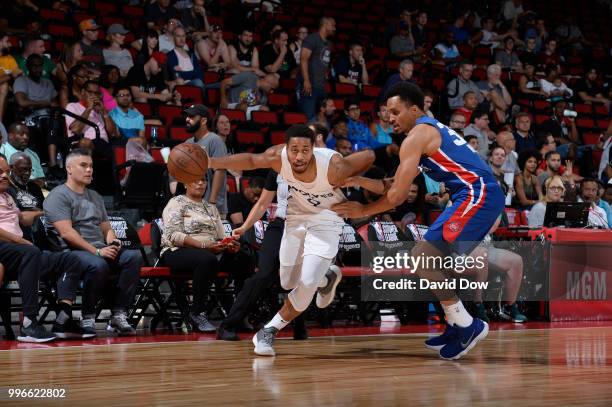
x: 312, y: 198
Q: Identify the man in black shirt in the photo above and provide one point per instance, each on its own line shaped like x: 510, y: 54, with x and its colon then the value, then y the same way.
x: 352, y: 68
x: 158, y: 12
x: 241, y: 203
x: 147, y: 81
x: 27, y: 194
x: 275, y: 57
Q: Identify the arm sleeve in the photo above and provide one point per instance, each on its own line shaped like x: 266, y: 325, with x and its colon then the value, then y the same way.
x: 271, y: 184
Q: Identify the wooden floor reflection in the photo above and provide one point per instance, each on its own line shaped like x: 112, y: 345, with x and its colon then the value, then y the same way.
x: 548, y: 367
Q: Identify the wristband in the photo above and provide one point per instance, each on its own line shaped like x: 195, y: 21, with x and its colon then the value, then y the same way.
x: 98, y: 253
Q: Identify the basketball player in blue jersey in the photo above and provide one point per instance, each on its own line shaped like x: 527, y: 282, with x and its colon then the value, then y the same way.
x: 444, y: 156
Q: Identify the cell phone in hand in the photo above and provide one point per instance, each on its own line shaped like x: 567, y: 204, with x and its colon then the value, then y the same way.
x: 116, y: 243
x: 227, y: 240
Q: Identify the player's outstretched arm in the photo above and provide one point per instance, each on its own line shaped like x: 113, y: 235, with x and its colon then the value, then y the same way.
x: 271, y: 158
x: 341, y: 168
x: 410, y: 154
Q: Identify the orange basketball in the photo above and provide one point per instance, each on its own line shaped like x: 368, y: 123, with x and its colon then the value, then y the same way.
x: 188, y: 162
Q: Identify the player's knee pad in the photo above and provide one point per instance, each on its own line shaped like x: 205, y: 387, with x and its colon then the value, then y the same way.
x: 301, y: 296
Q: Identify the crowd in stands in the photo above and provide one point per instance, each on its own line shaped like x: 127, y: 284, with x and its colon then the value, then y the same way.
x: 525, y: 86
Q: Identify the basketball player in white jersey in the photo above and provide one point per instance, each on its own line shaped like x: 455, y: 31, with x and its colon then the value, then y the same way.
x: 312, y: 229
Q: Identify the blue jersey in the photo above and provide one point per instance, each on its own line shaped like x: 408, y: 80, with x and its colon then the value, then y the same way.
x: 477, y: 198
x: 455, y: 163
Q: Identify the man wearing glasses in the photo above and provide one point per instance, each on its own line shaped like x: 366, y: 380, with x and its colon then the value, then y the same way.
x: 129, y: 121
x: 457, y: 87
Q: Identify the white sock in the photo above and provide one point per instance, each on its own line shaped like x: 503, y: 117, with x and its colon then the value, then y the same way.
x: 456, y: 314
x: 277, y: 322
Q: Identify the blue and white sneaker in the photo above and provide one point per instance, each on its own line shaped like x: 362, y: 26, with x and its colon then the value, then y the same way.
x: 465, y: 340
x: 437, y: 342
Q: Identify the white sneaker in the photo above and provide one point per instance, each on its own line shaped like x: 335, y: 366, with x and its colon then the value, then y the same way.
x: 325, y: 295
x: 263, y: 341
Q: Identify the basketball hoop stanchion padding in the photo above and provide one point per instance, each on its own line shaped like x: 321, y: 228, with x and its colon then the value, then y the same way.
x: 187, y: 163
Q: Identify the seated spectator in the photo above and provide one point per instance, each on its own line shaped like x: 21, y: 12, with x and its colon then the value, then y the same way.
x: 472, y: 142
x: 446, y: 52
x: 554, y: 191
x: 147, y: 82
x: 166, y: 39
x: 158, y: 12
x: 26, y: 193
x: 241, y: 203
x: 90, y: 107
x: 497, y: 158
x: 405, y: 71
x: 223, y: 127
x: 214, y: 51
x: 198, y: 121
x: 36, y: 46
x: 79, y: 216
x: 544, y: 144
x: 506, y: 140
x: 552, y: 167
x: 487, y: 37
x: 570, y: 36
x: 296, y: 46
x: 71, y: 55
x: 352, y: 68
x: 8, y: 71
x: 530, y: 51
x: 183, y: 66
x: 358, y: 132
x: 25, y: 263
x: 343, y: 146
x: 18, y: 141
x: 245, y: 91
x: 589, y: 192
x: 538, y: 32
x: 589, y: 91
x: 35, y: 96
x: 457, y: 122
x: 327, y: 109
x: 460, y: 34
x: 564, y: 129
x: 470, y: 102
x: 93, y: 56
x: 420, y: 31
x: 507, y: 57
x: 552, y: 85
x: 382, y: 129
x: 525, y: 139
x: 496, y: 93
x: 402, y: 44
x: 550, y: 55
x: 529, y: 83
x: 436, y: 194
x: 77, y: 76
x: 458, y: 86
x: 194, y: 19
x: 115, y: 54
x: 128, y: 121
x: 244, y: 55
x: 275, y: 57
x: 528, y: 190
x: 412, y: 210
x: 147, y: 46
x: 109, y: 80
x: 479, y: 127
x: 191, y: 244
x: 339, y: 129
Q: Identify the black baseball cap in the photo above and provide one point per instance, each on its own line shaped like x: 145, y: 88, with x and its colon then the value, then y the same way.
x: 196, y: 110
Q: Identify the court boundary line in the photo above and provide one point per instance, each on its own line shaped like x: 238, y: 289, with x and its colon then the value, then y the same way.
x: 280, y: 339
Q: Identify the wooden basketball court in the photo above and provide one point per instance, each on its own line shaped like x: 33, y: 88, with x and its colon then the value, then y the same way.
x: 549, y: 365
